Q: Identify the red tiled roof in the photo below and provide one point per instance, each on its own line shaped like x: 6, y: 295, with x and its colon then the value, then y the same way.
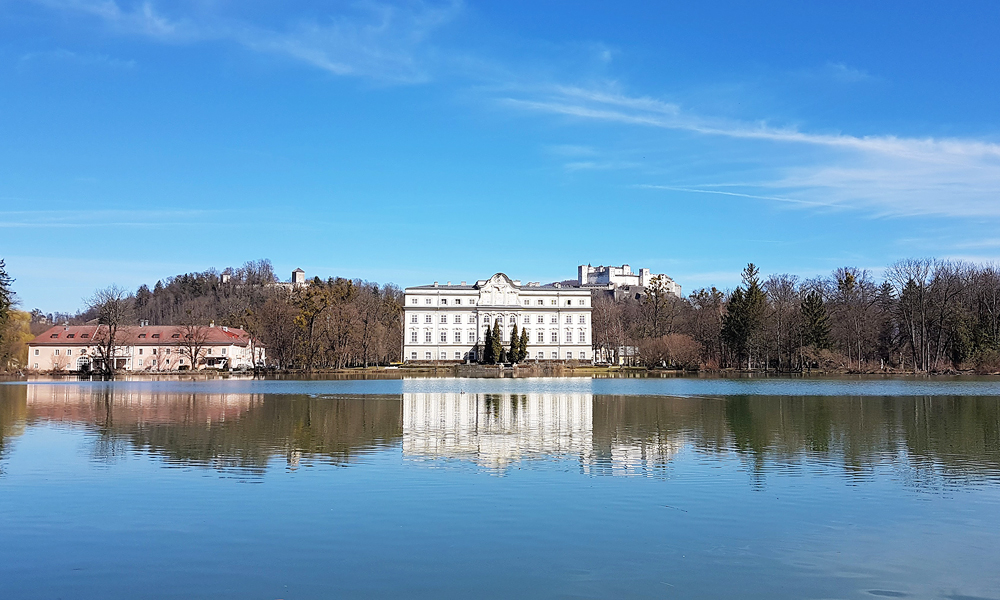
x: 134, y: 335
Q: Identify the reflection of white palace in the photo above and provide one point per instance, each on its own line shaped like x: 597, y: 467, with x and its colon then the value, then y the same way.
x: 446, y: 322
x: 497, y: 430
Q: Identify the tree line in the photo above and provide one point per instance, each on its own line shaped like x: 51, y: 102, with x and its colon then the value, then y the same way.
x: 923, y: 315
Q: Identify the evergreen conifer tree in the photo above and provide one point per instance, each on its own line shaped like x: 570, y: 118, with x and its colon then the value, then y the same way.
x: 815, y: 322
x: 522, y: 346
x: 744, y: 318
x: 6, y: 293
x: 488, y: 356
x: 497, y: 343
x: 514, y: 354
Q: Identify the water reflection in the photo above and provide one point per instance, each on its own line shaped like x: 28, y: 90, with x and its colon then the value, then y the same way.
x: 926, y: 440
x: 495, y: 430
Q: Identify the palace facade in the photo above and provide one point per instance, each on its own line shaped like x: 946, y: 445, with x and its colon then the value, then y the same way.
x: 448, y: 322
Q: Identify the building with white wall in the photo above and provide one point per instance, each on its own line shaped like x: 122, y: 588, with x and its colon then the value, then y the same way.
x: 145, y: 348
x: 448, y: 322
x: 613, y: 278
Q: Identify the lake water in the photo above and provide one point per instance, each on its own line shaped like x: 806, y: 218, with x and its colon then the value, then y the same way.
x: 501, y: 488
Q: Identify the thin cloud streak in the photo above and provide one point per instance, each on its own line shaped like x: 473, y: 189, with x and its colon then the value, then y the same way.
x: 885, y: 175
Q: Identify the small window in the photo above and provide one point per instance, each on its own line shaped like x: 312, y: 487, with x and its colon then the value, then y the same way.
x: 84, y: 335
x: 413, y: 318
x: 444, y: 336
x: 458, y: 300
x: 583, y: 303
x: 36, y: 365
x: 54, y: 335
x: 541, y: 302
x: 569, y: 303
x: 541, y: 355
x: 444, y: 301
x: 427, y: 301
x: 427, y: 355
x: 413, y: 355
x: 427, y: 337
x: 140, y: 351
x: 555, y: 355
x: 176, y: 335
x: 142, y: 336
x: 527, y: 320
x: 36, y: 351
x: 583, y: 356
x: 156, y: 335
x: 527, y: 302
x: 444, y: 356
x: 154, y: 352
x: 71, y: 335
x: 458, y: 356
x: 413, y: 301
x: 413, y: 337
x: 69, y: 352
x: 57, y: 351
x: 569, y: 356
x: 428, y: 319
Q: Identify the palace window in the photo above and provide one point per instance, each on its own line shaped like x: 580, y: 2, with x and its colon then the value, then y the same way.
x: 583, y: 303
x: 413, y: 356
x: 527, y: 320
x: 569, y: 319
x: 427, y: 355
x: 71, y: 335
x: 553, y: 302
x: 569, y: 336
x: 541, y: 337
x: 458, y: 300
x: 413, y: 301
x: 583, y: 356
x: 444, y: 301
x: 569, y: 356
x: 555, y: 319
x: 458, y: 319
x: 541, y: 302
x: 427, y: 337
x: 458, y: 337
x: 582, y: 337
x: 444, y: 318
x: 428, y: 319
x: 555, y: 355
x: 413, y: 337
x: 140, y: 362
x: 444, y: 356
x: 527, y: 302
x: 541, y: 319
x: 413, y: 318
x: 427, y: 301
x: 583, y: 320
x: 555, y: 337
x: 444, y: 336
x: 541, y: 355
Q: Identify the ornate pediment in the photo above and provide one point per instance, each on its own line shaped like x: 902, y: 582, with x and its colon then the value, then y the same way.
x: 498, y: 290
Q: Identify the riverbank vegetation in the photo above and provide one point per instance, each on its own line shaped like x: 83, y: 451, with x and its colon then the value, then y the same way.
x: 923, y: 315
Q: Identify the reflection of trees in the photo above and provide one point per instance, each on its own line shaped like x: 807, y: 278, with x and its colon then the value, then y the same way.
x: 243, y: 431
x: 947, y: 435
x: 13, y: 409
x: 288, y: 426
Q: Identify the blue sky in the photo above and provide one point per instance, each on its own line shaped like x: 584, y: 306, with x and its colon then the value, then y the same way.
x: 420, y: 141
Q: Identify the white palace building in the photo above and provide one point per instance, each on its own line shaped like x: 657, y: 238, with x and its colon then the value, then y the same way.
x: 447, y: 322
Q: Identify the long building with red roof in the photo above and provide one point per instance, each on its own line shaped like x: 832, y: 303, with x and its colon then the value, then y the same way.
x: 145, y: 348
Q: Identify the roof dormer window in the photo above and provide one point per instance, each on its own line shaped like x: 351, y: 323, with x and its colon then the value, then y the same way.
x: 70, y: 335
x: 54, y: 335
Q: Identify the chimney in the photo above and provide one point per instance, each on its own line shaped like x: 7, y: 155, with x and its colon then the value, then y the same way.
x: 449, y: 283
x: 225, y: 328
x: 211, y: 323
x: 435, y: 284
x: 463, y: 283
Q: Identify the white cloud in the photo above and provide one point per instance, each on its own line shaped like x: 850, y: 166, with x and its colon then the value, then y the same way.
x: 886, y: 175
x: 377, y: 40
x: 63, y: 55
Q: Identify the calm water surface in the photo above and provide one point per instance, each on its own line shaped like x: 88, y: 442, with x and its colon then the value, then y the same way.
x: 501, y: 488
